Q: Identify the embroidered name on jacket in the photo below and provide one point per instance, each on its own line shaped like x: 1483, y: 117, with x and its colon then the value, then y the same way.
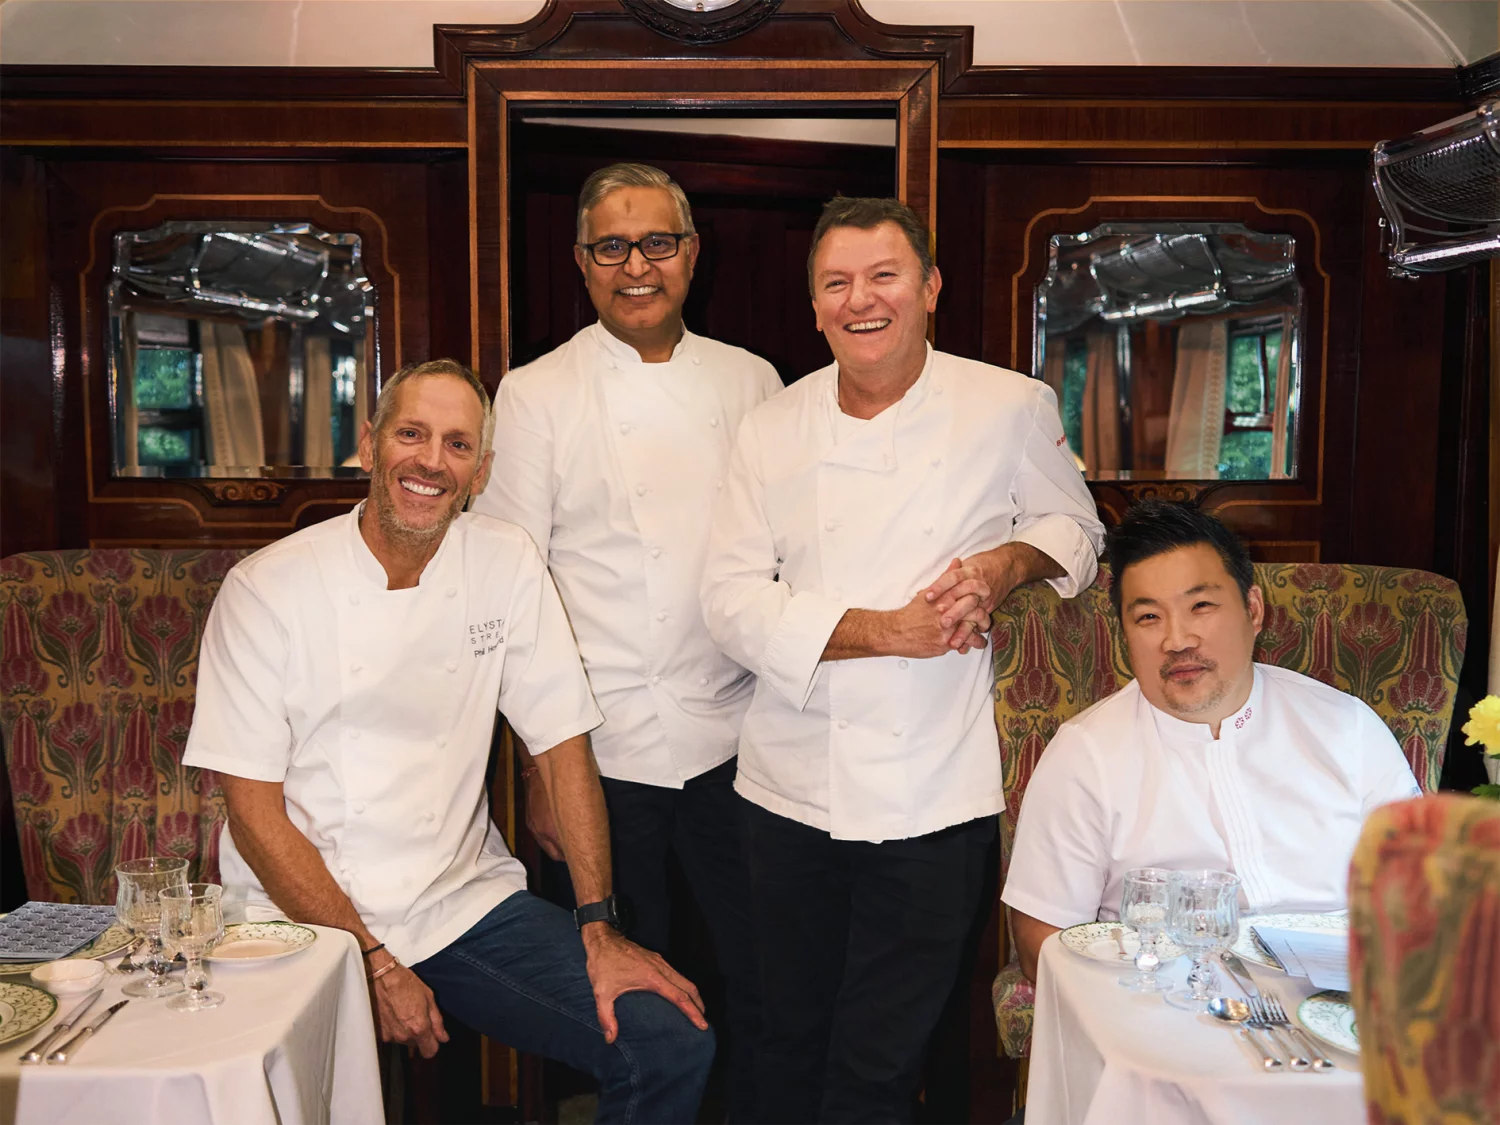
x: 487, y: 636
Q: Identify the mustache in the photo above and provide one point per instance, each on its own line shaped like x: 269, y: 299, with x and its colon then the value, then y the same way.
x: 1194, y: 662
x: 440, y: 480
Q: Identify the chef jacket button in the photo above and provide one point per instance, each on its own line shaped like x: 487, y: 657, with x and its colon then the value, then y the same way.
x: 641, y: 490
x: 897, y: 731
x: 354, y: 736
x: 697, y: 361
x: 452, y: 665
x: 830, y: 525
x: 353, y: 599
x: 359, y: 806
x: 843, y: 724
x: 656, y: 552
x: 901, y: 664
x: 718, y: 484
x: 927, y: 530
x: 624, y: 427
x: 702, y: 681
x: 713, y: 421
x: 613, y: 366
x: 937, y: 390
x: 656, y: 679
x: 451, y: 591
x: 355, y: 667
x: 429, y: 817
x: 662, y: 616
x: 936, y: 461
x: 442, y: 740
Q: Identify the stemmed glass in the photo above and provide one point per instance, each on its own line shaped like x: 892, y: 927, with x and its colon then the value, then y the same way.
x: 1143, y: 905
x: 1203, y: 915
x: 141, y: 881
x: 192, y: 922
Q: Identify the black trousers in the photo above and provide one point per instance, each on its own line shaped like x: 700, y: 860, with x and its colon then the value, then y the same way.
x: 702, y: 824
x: 860, y: 945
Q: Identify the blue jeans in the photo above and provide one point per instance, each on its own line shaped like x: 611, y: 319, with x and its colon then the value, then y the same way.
x: 519, y: 977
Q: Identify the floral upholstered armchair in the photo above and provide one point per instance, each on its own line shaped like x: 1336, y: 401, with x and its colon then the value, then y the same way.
x: 1393, y: 637
x: 1424, y: 960
x: 98, y: 664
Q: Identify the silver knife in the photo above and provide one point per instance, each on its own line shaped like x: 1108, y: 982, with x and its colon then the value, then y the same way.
x: 61, y: 1028
x: 1242, y: 977
x: 66, y: 1052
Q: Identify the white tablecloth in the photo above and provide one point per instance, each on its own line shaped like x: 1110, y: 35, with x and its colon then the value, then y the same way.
x: 1103, y: 1055
x: 293, y: 1043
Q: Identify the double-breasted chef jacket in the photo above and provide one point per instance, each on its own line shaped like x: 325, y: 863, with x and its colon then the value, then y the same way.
x: 374, y: 708
x: 818, y: 518
x: 1278, y: 798
x: 613, y: 466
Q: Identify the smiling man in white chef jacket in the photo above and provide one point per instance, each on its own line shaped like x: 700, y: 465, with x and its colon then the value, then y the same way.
x: 1206, y: 759
x: 347, y: 688
x: 873, y: 516
x: 610, y: 451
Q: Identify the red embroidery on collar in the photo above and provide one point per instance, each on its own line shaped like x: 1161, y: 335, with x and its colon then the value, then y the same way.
x: 1243, y: 719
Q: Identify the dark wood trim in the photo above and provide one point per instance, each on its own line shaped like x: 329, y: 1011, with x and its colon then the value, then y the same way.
x: 1200, y: 83
x: 1480, y: 80
x: 219, y: 83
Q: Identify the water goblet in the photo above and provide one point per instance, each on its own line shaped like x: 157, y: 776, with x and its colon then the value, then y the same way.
x: 192, y: 922
x: 141, y: 881
x: 1203, y: 915
x: 1143, y: 905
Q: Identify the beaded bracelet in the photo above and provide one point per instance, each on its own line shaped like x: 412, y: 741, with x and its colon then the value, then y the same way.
x: 373, y: 949
x: 387, y: 967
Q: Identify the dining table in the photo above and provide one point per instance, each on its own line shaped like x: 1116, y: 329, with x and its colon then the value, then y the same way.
x: 293, y: 1043
x: 1102, y: 1054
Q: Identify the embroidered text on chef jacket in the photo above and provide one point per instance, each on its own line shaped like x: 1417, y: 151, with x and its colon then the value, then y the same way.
x: 613, y: 466
x: 374, y: 708
x: 819, y: 517
x: 1278, y: 799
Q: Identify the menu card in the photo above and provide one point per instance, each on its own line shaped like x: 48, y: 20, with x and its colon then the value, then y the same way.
x: 45, y: 931
x: 1321, y: 957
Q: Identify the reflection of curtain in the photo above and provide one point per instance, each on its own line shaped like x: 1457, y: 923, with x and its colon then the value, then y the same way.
x: 317, y: 402
x: 1053, y: 366
x: 1101, y: 404
x: 1281, y: 410
x: 129, y: 457
x: 1196, y: 426
x: 231, y: 399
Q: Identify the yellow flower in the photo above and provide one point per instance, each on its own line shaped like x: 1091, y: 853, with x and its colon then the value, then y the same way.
x: 1484, y: 725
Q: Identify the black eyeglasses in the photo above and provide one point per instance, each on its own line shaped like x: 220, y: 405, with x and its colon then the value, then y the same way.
x: 615, y: 251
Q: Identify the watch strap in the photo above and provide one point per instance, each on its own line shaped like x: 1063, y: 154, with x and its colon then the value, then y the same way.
x: 601, y: 911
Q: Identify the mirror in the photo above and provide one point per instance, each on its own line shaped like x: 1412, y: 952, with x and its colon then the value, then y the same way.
x: 1174, y: 350
x: 239, y: 350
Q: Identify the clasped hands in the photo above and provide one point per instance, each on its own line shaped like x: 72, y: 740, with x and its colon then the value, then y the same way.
x: 950, y: 615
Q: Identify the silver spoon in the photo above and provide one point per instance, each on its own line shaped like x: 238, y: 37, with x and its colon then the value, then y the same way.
x: 1236, y: 1012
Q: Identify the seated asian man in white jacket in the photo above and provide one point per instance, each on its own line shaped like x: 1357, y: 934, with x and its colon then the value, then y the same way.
x: 1206, y: 759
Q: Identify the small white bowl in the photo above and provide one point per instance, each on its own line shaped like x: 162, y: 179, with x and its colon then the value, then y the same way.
x: 61, y: 978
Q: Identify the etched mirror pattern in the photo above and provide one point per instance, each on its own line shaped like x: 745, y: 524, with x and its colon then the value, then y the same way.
x: 240, y: 350
x: 1174, y: 350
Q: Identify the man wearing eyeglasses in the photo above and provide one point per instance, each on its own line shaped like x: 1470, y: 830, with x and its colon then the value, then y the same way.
x: 610, y: 451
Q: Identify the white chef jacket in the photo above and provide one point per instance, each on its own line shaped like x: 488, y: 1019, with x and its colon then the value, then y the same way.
x: 613, y: 466
x: 374, y: 708
x: 1278, y: 799
x: 813, y: 524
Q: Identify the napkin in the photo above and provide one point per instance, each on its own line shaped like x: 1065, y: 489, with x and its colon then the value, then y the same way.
x: 45, y: 931
x: 1321, y: 957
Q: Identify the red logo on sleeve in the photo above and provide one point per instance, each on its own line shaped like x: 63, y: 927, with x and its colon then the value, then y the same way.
x: 1061, y: 440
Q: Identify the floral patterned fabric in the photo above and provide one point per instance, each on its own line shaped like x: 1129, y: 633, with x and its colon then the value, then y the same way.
x: 1393, y: 637
x: 98, y: 662
x: 1424, y: 960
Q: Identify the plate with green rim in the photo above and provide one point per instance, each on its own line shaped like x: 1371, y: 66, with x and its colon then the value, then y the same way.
x: 254, y: 943
x: 23, y: 1009
x: 1329, y: 1017
x: 114, y: 940
x: 1093, y: 940
x: 1251, y: 950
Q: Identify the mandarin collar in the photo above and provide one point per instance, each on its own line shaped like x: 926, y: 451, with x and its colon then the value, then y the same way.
x: 618, y: 350
x: 368, y: 567
x: 1178, y: 730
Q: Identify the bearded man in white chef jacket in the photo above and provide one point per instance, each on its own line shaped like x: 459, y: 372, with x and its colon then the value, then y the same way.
x: 347, y: 689
x: 610, y: 451
x: 874, y: 515
x: 1206, y: 759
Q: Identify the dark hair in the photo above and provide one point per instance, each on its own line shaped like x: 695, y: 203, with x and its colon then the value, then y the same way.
x: 1154, y: 527
x: 867, y: 214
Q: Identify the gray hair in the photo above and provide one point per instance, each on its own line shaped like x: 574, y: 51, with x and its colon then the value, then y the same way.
x: 867, y: 214
x: 617, y: 176
x: 386, y: 403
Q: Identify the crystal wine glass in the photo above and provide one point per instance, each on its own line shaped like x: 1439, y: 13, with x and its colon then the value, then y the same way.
x: 192, y: 922
x: 141, y: 881
x: 1143, y: 905
x: 1203, y: 915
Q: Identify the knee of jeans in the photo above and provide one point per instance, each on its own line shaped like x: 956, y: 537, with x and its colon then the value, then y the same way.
x: 663, y: 1039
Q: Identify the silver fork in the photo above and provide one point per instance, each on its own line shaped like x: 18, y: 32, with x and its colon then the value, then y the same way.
x: 1277, y: 1016
x: 1260, y: 1019
x: 127, y: 965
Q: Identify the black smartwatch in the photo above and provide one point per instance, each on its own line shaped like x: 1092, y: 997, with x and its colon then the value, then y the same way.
x: 604, y: 911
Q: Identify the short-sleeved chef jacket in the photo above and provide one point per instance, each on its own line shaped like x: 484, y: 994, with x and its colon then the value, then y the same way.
x: 375, y: 708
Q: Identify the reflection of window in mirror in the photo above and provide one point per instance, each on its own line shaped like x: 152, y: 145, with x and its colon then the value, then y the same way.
x: 1174, y: 350
x: 239, y: 349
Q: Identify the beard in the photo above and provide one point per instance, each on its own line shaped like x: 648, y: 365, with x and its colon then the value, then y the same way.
x: 392, y: 525
x: 1205, y: 695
